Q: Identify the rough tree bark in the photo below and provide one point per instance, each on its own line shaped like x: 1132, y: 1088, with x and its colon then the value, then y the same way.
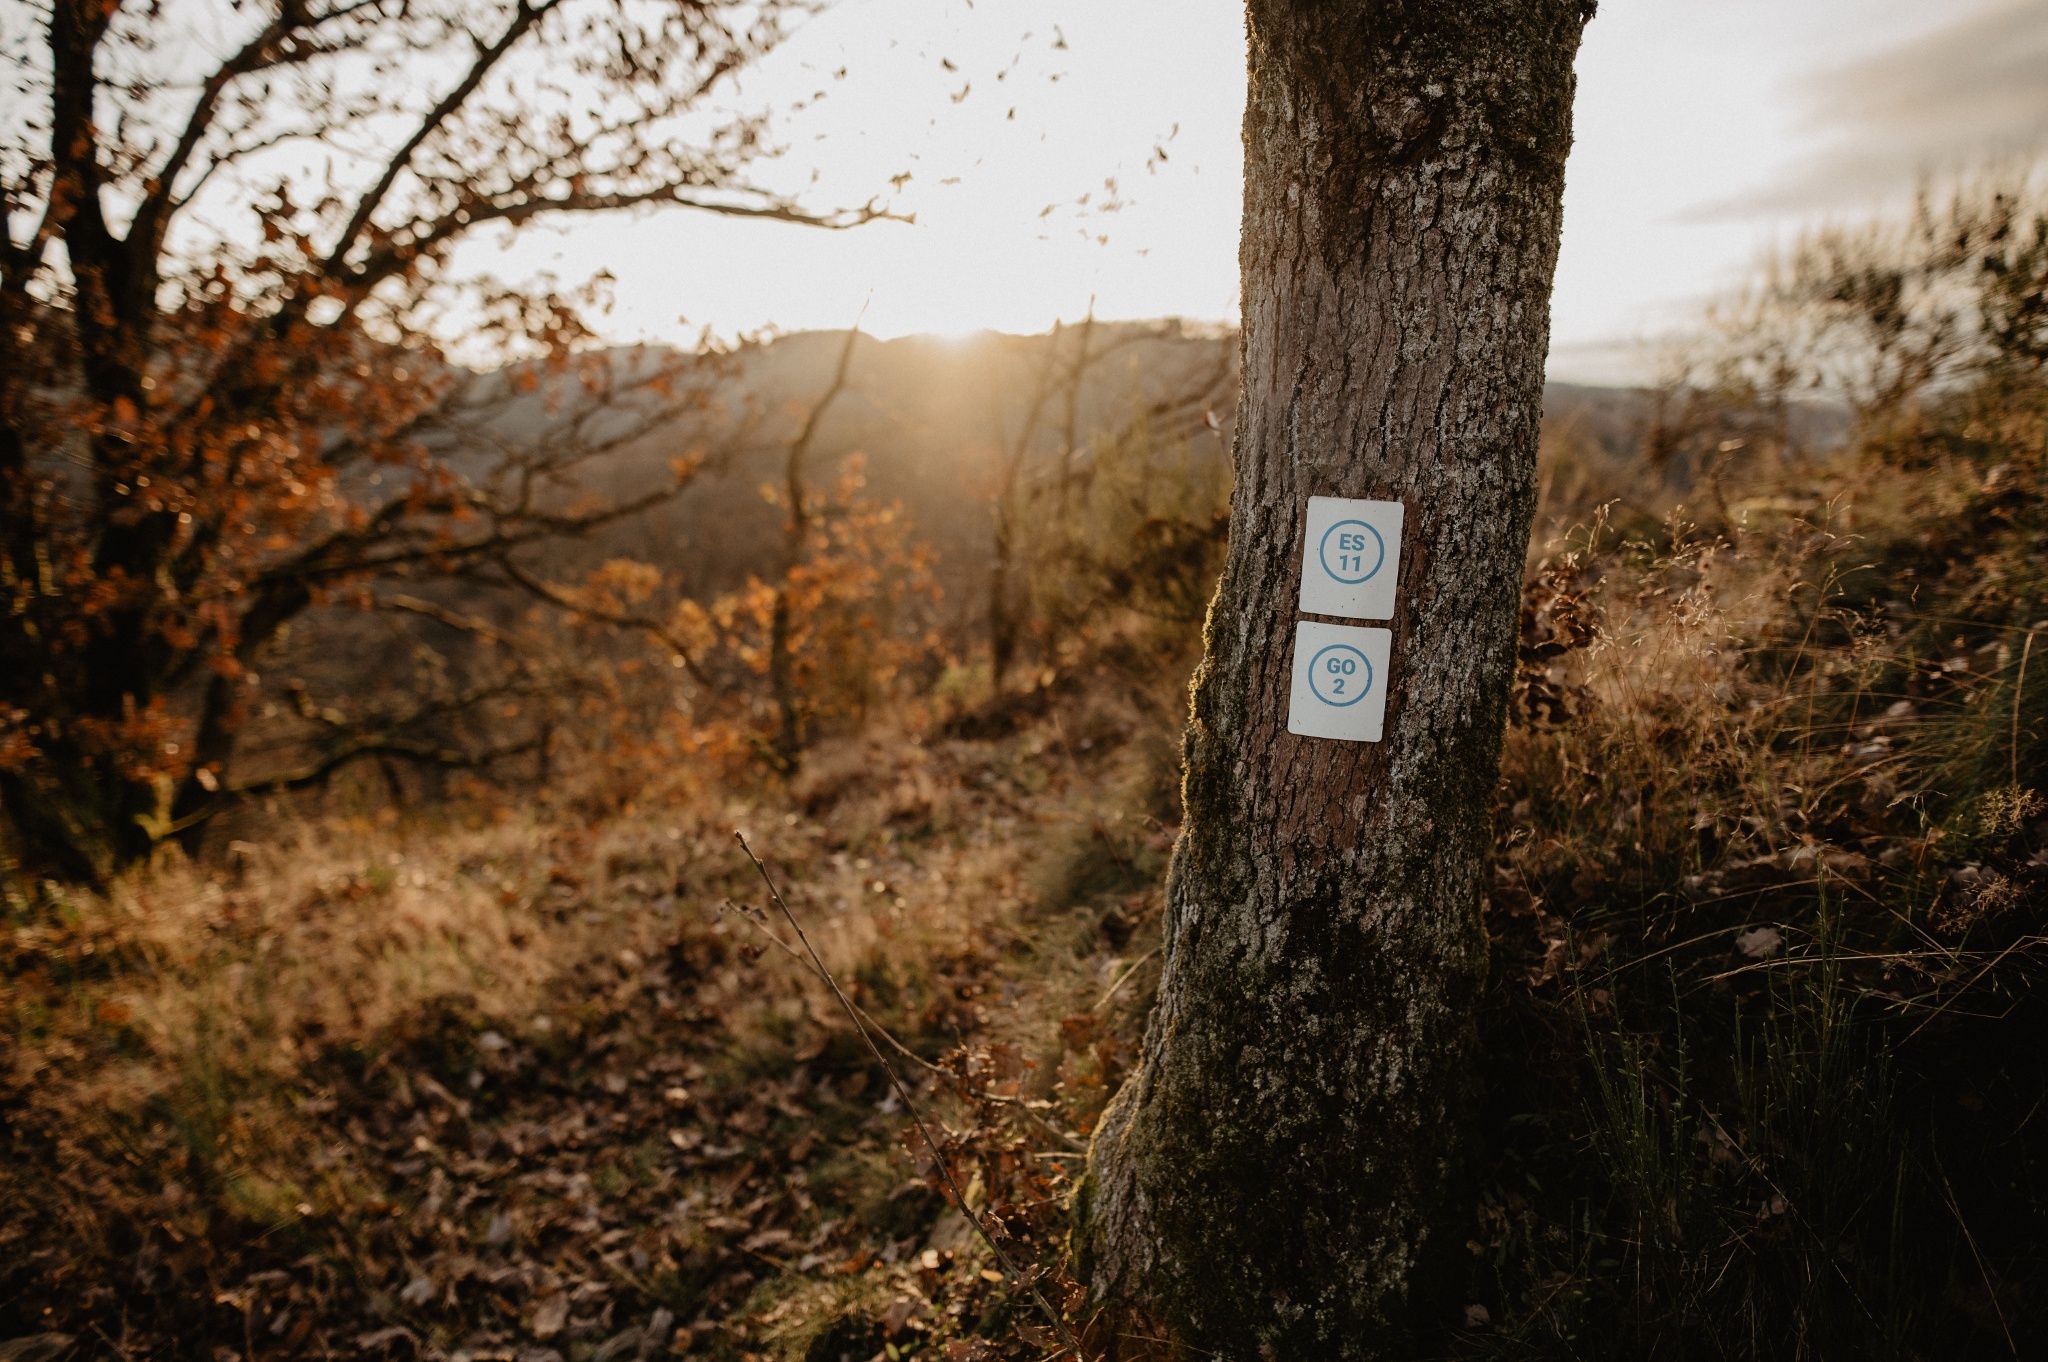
x: 1274, y: 1173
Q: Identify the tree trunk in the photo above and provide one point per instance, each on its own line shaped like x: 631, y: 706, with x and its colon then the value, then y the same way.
x: 1280, y: 1164
x: 792, y: 720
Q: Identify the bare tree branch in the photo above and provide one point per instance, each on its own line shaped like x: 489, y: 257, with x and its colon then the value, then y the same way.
x: 647, y: 624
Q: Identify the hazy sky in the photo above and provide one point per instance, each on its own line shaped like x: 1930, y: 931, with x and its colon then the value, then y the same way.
x: 1704, y: 128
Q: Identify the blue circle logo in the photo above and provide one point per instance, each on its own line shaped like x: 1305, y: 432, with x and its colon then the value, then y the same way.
x: 1340, y: 675
x: 1352, y: 551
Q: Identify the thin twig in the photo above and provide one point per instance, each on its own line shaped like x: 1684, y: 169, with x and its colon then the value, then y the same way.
x: 945, y: 1168
x: 123, y: 1352
x: 1123, y: 979
x: 1795, y: 1211
x: 2019, y: 694
x: 1031, y: 1111
x: 1990, y: 1288
x: 865, y: 1017
x: 1969, y: 984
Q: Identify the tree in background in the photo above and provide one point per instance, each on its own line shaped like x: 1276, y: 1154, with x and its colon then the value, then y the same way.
x: 799, y: 511
x: 1870, y: 333
x: 1007, y: 584
x: 824, y: 628
x: 224, y: 397
x: 1275, y: 1174
x: 1895, y: 318
x: 1052, y: 509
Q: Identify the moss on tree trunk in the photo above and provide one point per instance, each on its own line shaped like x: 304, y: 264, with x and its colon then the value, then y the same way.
x: 1277, y: 1167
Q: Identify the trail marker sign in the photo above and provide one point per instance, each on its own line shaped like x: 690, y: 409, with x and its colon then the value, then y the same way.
x: 1351, y: 556
x: 1340, y: 681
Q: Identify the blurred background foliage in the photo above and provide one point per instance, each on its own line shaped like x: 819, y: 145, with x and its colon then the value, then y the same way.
x: 367, y: 986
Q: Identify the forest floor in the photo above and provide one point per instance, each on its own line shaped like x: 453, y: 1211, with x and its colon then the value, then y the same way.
x: 1760, y: 1071
x: 524, y: 1089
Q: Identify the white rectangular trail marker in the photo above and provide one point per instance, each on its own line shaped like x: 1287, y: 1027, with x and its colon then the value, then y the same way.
x: 1350, y: 557
x: 1340, y: 681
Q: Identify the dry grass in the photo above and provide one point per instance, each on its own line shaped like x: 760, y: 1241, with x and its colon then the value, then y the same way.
x: 1767, y: 937
x: 253, y: 1081
x: 1768, y: 931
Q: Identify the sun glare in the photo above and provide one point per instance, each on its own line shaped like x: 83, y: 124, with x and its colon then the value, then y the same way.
x: 1099, y: 158
x: 1044, y: 165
